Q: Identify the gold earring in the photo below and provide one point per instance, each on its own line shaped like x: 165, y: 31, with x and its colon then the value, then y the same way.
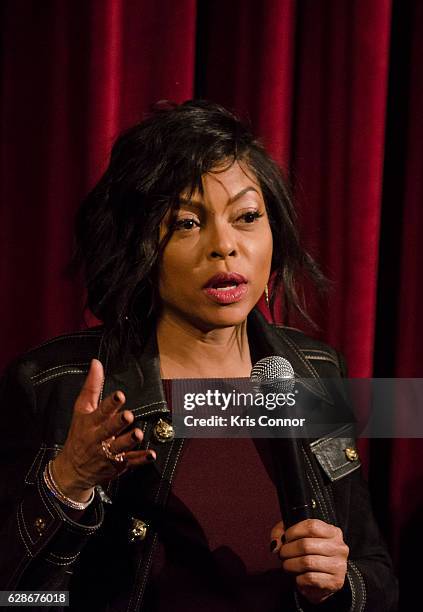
x: 266, y: 295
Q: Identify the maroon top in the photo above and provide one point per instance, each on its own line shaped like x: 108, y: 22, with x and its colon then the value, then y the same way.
x: 213, y: 552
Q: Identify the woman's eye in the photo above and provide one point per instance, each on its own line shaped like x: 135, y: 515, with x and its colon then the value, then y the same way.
x: 185, y: 224
x: 189, y: 224
x: 250, y: 217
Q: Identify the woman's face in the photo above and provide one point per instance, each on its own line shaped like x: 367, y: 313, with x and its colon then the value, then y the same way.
x: 224, y: 231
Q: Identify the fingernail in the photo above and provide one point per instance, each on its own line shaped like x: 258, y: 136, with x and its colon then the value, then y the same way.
x: 116, y: 397
x: 283, y: 539
x: 134, y: 436
x: 123, y: 418
x: 273, y: 545
x: 150, y: 457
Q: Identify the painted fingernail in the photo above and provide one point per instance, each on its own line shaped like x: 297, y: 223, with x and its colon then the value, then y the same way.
x: 273, y: 545
x: 150, y: 457
x: 116, y: 397
x: 123, y: 418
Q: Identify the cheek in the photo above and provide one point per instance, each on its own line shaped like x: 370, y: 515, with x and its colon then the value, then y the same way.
x: 270, y: 249
x: 264, y: 249
x: 175, y: 267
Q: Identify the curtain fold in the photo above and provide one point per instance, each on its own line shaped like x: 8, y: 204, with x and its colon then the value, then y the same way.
x: 73, y: 75
x: 246, y: 50
x: 338, y: 159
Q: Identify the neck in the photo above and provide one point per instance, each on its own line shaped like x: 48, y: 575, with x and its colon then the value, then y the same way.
x: 187, y: 352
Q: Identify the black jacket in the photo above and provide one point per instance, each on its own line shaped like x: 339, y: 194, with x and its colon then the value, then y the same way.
x: 105, y: 559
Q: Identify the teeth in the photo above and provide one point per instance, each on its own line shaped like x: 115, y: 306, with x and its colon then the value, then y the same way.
x: 226, y: 288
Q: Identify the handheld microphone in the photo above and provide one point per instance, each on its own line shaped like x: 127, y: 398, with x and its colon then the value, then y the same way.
x: 295, y: 499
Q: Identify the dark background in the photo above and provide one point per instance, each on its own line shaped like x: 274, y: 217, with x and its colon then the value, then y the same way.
x: 335, y: 90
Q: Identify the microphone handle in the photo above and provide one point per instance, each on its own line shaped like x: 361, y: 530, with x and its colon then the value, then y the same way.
x: 294, y: 494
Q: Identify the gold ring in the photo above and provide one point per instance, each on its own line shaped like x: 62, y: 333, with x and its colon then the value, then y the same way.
x: 114, y: 457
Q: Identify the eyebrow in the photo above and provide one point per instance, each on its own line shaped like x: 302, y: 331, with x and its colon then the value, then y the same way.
x: 237, y: 196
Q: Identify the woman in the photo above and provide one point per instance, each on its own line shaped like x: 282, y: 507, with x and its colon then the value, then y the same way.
x: 178, y: 241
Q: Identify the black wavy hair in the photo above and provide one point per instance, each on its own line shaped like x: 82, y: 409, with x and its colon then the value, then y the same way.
x: 117, y: 226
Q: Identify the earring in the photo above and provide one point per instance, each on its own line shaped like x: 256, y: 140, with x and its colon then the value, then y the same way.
x: 266, y: 295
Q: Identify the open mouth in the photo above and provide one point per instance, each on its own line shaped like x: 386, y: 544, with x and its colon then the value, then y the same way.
x: 225, y: 281
x: 226, y: 288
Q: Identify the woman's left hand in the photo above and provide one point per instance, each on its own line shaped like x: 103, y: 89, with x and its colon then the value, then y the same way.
x: 315, y: 552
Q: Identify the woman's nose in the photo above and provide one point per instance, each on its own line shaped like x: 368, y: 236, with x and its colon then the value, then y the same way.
x: 222, y: 242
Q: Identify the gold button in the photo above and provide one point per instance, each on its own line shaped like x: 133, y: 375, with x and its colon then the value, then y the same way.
x: 163, y: 431
x: 351, y: 454
x: 138, y: 530
x: 39, y: 525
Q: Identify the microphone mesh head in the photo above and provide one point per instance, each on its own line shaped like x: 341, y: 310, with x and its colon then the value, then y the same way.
x: 274, y: 369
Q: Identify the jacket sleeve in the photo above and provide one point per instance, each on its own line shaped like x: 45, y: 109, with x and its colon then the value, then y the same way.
x: 370, y: 584
x: 40, y: 541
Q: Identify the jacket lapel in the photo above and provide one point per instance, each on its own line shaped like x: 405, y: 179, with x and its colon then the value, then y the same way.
x: 266, y: 340
x: 140, y: 381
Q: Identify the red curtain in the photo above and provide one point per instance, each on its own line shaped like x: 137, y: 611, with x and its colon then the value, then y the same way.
x: 335, y: 90
x: 73, y: 75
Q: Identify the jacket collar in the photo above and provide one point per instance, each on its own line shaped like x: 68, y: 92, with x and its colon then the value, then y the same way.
x: 266, y: 339
x: 141, y: 380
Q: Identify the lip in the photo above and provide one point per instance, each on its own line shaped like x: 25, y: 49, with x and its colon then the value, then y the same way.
x: 226, y: 296
x: 225, y: 277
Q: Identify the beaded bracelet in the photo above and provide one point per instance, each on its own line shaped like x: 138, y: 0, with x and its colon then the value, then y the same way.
x: 54, y: 489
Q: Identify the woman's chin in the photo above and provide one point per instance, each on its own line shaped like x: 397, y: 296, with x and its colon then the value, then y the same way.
x: 206, y: 318
x: 227, y: 316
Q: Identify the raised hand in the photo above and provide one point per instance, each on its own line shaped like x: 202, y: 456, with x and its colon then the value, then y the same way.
x: 88, y: 457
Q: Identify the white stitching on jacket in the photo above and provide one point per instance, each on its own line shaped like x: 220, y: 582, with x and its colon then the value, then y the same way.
x: 20, y: 531
x: 321, y: 358
x: 306, y: 363
x: 141, y: 408
x: 42, y: 450
x: 352, y: 586
x: 319, y: 496
x: 62, y: 365
x: 362, y: 584
x: 155, y: 536
x: 317, y: 350
x: 64, y: 557
x: 42, y: 381
x: 79, y: 528
x: 294, y: 348
x: 57, y: 563
x: 20, y: 508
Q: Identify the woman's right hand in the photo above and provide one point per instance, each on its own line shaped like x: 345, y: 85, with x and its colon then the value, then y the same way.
x: 82, y: 463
